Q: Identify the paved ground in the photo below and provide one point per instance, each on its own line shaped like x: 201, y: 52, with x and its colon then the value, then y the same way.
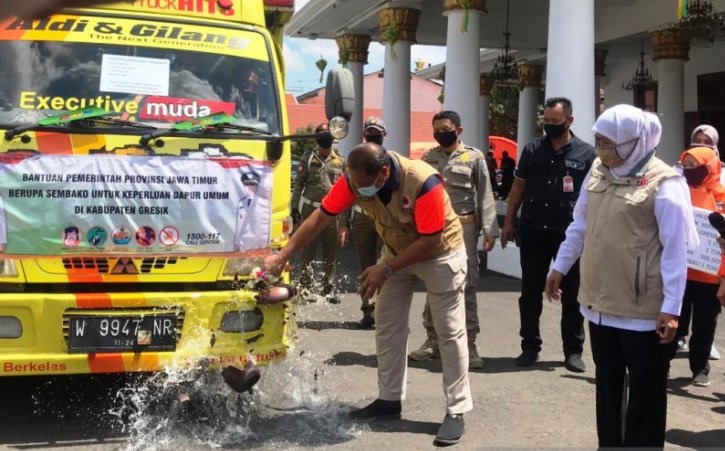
x: 302, y: 402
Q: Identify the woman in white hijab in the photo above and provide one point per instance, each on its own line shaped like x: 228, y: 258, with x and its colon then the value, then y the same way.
x: 636, y: 217
x: 705, y: 135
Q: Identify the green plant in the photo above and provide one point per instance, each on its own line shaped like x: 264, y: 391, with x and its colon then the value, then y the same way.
x: 392, y: 35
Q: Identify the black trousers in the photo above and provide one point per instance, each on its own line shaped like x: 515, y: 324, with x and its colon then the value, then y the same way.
x: 538, y: 249
x: 616, y: 352
x: 700, y: 302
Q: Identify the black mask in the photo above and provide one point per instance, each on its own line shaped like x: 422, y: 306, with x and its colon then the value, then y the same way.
x: 325, y: 140
x: 446, y: 139
x: 376, y: 139
x: 554, y: 131
x: 695, y: 176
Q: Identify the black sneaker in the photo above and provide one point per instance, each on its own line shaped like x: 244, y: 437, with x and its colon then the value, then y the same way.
x: 378, y: 410
x: 367, y: 322
x: 575, y: 364
x: 701, y: 379
x: 451, y: 430
x: 527, y: 358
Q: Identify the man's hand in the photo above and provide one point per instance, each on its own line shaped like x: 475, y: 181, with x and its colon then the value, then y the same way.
x: 553, y: 293
x: 508, y: 233
x: 370, y: 281
x: 343, y: 236
x: 666, y: 327
x: 488, y: 243
x: 721, y: 292
x: 274, y: 264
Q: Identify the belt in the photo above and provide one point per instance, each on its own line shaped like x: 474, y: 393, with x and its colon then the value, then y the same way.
x: 358, y: 209
x: 465, y: 219
x: 310, y: 202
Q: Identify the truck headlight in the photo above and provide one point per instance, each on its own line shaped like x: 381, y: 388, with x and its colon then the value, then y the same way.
x: 242, y: 266
x: 8, y: 268
x: 10, y: 327
x: 242, y: 321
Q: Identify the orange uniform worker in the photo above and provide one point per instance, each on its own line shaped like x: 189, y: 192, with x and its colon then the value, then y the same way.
x: 701, y: 168
x: 423, y: 240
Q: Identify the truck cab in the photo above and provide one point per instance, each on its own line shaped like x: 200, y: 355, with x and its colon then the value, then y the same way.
x: 144, y: 176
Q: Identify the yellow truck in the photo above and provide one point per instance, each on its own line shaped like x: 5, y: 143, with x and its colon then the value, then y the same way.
x: 144, y: 175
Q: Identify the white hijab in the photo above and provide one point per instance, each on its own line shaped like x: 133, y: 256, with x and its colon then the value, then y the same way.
x: 710, y: 132
x: 635, y: 132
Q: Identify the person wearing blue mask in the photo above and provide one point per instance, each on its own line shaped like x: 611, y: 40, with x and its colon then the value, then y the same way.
x: 423, y: 240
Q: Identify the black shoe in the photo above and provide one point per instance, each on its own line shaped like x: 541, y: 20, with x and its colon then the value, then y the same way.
x: 527, y: 358
x: 575, y: 364
x: 451, y: 431
x: 378, y: 409
x: 367, y: 322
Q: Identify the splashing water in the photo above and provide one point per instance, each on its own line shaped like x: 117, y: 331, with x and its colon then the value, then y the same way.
x: 291, y: 406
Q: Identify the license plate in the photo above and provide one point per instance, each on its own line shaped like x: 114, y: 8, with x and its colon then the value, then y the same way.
x: 96, y: 334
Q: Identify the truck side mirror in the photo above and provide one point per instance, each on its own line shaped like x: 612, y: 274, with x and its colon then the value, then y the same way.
x: 339, y: 94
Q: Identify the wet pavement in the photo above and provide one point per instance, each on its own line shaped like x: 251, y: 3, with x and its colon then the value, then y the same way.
x: 302, y: 402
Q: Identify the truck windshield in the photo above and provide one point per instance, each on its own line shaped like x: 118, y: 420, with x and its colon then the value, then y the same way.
x: 157, y: 85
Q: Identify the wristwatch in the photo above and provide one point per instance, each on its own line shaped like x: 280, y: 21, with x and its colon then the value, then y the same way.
x: 387, y: 270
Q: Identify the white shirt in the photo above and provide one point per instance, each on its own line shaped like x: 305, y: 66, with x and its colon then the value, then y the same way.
x: 672, y: 213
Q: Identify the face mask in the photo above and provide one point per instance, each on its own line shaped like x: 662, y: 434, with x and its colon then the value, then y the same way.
x: 695, y: 176
x: 609, y: 157
x: 376, y: 139
x: 554, y: 131
x: 446, y: 139
x: 369, y: 191
x: 325, y: 141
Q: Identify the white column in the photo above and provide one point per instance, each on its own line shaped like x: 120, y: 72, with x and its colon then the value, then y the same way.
x: 485, y: 85
x: 671, y: 47
x: 600, y: 58
x: 396, y: 79
x: 354, y: 136
x: 462, y: 72
x: 671, y: 107
x: 396, y: 98
x: 528, y: 103
x: 570, y: 60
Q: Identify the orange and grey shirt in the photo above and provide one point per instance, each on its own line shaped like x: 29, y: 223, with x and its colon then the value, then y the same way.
x: 411, y: 204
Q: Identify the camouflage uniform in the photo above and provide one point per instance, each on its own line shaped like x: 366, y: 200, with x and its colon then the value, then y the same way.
x: 315, y: 176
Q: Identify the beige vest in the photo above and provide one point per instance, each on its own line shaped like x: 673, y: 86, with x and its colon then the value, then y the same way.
x: 620, y: 264
x: 395, y: 222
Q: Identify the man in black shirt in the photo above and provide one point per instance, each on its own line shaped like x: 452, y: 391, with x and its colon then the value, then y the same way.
x: 548, y: 179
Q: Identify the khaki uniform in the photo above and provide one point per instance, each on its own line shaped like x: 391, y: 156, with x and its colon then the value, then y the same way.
x: 444, y: 276
x: 367, y: 246
x: 315, y: 176
x: 467, y: 182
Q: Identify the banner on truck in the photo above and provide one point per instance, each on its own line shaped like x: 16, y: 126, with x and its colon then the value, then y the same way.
x: 69, y: 204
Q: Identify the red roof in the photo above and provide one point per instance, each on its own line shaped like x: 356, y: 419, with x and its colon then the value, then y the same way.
x: 301, y: 115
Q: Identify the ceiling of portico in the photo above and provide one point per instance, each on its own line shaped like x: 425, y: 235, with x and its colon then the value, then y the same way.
x: 619, y: 24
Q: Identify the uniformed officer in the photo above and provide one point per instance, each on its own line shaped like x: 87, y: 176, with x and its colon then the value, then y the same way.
x: 362, y: 228
x: 252, y: 232
x: 466, y: 180
x: 318, y: 170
